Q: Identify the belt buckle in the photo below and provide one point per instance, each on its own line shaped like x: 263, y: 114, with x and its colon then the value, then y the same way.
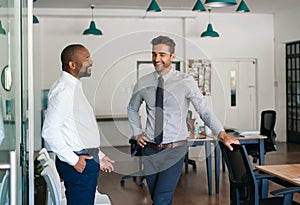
x: 160, y: 146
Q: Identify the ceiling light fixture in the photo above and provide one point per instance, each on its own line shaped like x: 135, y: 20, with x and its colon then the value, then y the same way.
x: 220, y: 3
x: 35, y: 19
x: 209, y: 31
x: 199, y: 6
x: 2, y: 31
x: 92, y: 30
x: 153, y: 6
x: 243, y: 7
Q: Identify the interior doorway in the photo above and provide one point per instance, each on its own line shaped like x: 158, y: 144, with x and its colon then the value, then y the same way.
x: 293, y: 91
x: 238, y: 80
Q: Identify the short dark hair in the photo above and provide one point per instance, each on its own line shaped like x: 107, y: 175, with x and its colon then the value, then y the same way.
x: 164, y: 40
x: 68, y: 54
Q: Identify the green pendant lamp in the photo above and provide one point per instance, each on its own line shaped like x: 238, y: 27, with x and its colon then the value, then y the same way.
x: 2, y: 31
x: 35, y: 19
x: 243, y: 7
x: 199, y: 6
x: 209, y: 31
x: 92, y: 30
x: 220, y: 3
x: 153, y: 6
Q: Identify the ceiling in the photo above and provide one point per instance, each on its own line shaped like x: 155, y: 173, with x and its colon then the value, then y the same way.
x: 256, y: 6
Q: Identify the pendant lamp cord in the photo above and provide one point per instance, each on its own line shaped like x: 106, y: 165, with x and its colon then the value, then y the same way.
x: 92, y: 7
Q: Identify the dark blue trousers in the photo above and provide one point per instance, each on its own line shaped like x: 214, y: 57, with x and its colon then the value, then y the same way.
x: 80, y: 187
x: 162, y: 169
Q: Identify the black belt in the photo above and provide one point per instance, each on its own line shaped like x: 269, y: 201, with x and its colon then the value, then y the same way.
x: 90, y: 151
x: 168, y: 145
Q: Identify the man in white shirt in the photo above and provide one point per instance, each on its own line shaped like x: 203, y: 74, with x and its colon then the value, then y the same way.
x: 71, y: 131
x: 164, y: 142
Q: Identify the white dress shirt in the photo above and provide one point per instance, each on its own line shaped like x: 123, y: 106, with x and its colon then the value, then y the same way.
x: 70, y: 124
x: 179, y: 90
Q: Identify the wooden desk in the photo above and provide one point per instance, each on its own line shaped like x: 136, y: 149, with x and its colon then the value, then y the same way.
x: 243, y: 140
x: 201, y: 140
x: 254, y: 140
x: 287, y: 173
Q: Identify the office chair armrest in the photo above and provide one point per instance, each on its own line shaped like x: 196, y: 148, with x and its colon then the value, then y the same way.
x: 284, y: 191
x: 263, y: 176
x: 135, y: 149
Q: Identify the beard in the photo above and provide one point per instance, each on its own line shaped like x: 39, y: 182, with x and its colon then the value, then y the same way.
x: 85, y: 72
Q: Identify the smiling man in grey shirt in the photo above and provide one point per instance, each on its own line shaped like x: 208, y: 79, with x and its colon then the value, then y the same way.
x: 163, y: 161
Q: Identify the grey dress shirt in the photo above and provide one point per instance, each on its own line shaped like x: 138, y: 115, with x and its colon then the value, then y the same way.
x: 180, y: 90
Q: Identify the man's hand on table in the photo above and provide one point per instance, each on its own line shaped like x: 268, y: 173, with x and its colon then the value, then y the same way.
x: 228, y: 140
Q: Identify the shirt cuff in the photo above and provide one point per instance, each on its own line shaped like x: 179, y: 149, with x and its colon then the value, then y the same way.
x: 72, y: 160
x: 101, y: 155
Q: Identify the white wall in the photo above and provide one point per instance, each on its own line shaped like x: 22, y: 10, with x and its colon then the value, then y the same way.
x: 241, y: 36
x: 286, y: 30
x: 127, y: 39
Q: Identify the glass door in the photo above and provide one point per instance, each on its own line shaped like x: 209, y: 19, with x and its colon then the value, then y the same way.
x: 9, y: 136
x: 293, y: 91
x: 14, y: 63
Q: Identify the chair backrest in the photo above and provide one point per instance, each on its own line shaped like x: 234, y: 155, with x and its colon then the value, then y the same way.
x: 51, y: 164
x: 268, y: 120
x: 45, y: 152
x: 4, y: 189
x: 135, y: 149
x: 267, y: 125
x: 243, y: 187
x: 42, y: 158
x: 52, y: 185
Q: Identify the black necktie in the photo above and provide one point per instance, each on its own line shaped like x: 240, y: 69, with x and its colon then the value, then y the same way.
x: 159, y: 112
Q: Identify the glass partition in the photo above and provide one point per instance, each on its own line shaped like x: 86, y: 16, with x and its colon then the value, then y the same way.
x: 12, y: 66
x: 7, y: 94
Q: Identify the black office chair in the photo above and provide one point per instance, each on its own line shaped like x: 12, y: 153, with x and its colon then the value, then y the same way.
x: 243, y: 182
x: 135, y: 150
x: 267, y: 125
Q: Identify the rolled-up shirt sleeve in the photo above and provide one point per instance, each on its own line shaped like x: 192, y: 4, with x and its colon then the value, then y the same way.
x: 101, y: 155
x: 202, y: 108
x: 133, y: 111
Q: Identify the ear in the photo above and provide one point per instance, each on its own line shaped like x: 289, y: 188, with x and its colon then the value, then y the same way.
x: 173, y: 56
x: 71, y: 65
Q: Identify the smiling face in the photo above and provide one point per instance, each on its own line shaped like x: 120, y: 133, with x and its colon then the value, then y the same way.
x: 86, y: 68
x: 162, y: 58
x: 82, y: 63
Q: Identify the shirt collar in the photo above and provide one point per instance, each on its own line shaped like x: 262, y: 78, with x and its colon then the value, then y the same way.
x: 70, y: 77
x: 166, y: 76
